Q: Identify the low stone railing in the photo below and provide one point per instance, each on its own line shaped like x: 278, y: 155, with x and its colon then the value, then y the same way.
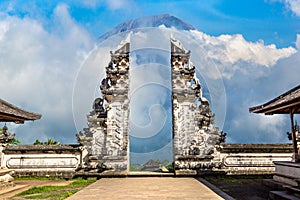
x: 44, y: 160
x: 65, y: 160
x: 253, y: 158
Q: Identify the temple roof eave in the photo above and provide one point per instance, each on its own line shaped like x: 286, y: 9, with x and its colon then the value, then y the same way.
x: 282, y: 104
x: 11, y: 113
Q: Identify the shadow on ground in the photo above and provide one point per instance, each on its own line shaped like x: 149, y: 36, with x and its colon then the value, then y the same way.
x: 248, y: 187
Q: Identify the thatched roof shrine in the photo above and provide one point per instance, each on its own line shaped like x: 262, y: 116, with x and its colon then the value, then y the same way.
x: 281, y: 104
x: 287, y: 103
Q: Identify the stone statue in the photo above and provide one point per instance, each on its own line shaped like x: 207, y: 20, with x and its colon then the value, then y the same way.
x: 6, y: 137
x: 194, y: 149
x: 222, y: 138
x: 105, y: 84
x: 98, y: 105
x: 5, y: 130
x: 110, y: 65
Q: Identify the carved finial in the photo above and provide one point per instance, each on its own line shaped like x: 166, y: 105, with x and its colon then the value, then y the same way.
x: 177, y: 47
x: 5, y: 130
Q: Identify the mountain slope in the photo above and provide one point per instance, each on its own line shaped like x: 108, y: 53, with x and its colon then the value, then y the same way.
x: 149, y: 21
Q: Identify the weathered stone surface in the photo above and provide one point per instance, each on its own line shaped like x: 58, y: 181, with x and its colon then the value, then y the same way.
x: 195, y: 137
x: 6, y: 178
x: 44, y: 160
x: 107, y: 135
x: 257, y: 148
x: 253, y: 158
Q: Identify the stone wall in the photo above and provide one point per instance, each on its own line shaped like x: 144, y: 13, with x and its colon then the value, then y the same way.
x: 240, y: 159
x: 66, y: 160
x: 44, y: 160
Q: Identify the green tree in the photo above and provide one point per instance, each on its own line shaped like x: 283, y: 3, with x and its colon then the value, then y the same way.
x: 49, y: 142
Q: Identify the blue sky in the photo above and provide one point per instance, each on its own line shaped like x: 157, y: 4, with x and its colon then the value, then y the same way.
x: 273, y: 21
x: 44, y: 43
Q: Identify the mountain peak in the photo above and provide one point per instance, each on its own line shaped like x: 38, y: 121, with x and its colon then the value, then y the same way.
x: 149, y: 21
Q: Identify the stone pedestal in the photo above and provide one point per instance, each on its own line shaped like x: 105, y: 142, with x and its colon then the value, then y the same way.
x: 6, y: 180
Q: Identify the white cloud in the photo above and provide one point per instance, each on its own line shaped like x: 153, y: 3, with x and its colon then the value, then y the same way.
x: 298, y: 41
x: 38, y: 69
x: 293, y: 5
x: 233, y: 51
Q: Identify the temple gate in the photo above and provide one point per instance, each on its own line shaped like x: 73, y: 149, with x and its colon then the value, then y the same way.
x: 107, y: 135
x: 195, y: 139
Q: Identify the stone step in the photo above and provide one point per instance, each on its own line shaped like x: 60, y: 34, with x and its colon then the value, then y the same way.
x: 292, y: 190
x: 12, y: 189
x: 281, y: 195
x: 275, y: 185
x: 285, y: 180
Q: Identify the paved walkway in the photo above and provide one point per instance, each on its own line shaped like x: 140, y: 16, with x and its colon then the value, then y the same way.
x: 146, y: 188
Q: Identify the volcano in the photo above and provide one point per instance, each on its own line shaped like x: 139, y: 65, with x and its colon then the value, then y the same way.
x: 166, y: 20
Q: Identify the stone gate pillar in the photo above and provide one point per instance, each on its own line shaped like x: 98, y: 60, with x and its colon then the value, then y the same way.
x: 195, y: 139
x: 107, y: 135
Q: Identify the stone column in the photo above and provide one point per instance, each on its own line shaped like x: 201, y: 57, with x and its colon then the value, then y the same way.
x: 194, y: 136
x: 107, y: 137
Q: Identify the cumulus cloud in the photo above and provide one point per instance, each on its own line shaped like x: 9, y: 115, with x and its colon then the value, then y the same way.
x: 38, y: 68
x: 233, y: 53
x: 254, y: 128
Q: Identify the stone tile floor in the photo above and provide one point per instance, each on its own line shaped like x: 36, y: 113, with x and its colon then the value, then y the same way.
x: 146, y: 188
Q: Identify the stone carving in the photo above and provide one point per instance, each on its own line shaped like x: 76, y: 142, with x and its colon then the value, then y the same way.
x: 195, y: 137
x: 6, y: 137
x: 6, y: 178
x: 107, y: 135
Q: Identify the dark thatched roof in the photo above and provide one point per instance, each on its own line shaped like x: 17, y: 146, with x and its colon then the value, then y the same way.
x: 11, y: 113
x: 283, y: 104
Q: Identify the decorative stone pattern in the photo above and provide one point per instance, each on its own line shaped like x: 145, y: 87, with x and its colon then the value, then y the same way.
x: 240, y: 159
x: 194, y: 136
x: 107, y: 135
x: 64, y: 161
x: 44, y: 160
